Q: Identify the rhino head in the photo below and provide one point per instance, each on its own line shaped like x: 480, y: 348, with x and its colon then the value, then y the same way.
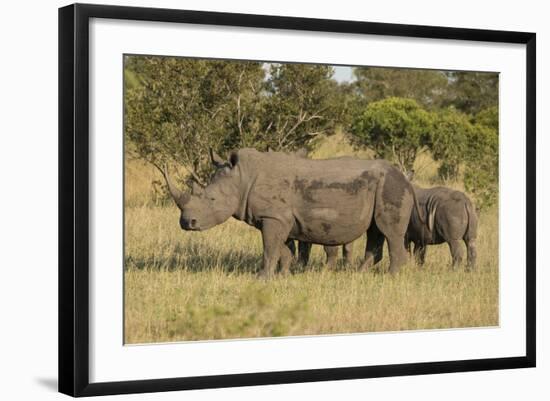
x: 206, y: 207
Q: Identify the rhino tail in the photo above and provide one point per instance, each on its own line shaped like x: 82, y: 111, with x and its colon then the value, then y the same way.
x: 417, y: 207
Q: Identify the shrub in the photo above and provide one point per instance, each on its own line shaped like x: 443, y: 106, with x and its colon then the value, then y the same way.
x: 396, y: 129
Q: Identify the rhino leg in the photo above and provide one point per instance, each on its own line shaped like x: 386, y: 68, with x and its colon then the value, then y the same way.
x: 471, y: 235
x: 471, y: 253
x: 291, y: 247
x: 285, y: 260
x: 332, y: 256
x: 420, y: 254
x: 394, y: 203
x: 391, y: 224
x: 347, y: 251
x: 274, y: 237
x: 457, y: 253
x: 374, y: 247
x: 408, y: 246
x: 398, y: 255
x: 304, y: 250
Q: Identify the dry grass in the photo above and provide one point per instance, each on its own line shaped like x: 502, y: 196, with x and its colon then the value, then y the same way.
x: 189, y: 286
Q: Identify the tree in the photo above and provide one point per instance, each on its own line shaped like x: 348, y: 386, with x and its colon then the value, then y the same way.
x: 182, y: 107
x: 449, y: 141
x: 347, y: 103
x: 177, y: 108
x: 471, y: 92
x: 427, y: 87
x: 298, y: 106
x: 488, y: 118
x: 481, y: 170
x: 395, y: 128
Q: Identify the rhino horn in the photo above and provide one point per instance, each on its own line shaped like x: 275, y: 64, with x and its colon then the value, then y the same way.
x: 197, y: 188
x: 180, y: 197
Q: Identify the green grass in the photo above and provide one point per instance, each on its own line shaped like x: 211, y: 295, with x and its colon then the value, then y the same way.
x: 199, y: 286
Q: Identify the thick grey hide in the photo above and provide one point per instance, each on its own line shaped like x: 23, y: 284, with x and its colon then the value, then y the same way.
x: 329, y: 202
x: 450, y: 217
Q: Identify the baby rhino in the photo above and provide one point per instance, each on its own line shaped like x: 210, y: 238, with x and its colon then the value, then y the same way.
x: 449, y: 217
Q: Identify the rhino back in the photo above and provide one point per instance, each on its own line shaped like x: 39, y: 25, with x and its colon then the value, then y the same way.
x: 446, y: 212
x: 326, y: 201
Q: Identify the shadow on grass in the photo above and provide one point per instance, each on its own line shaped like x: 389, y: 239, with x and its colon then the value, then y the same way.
x: 204, y: 258
x: 197, y: 259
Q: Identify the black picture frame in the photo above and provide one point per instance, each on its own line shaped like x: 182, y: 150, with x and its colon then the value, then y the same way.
x: 74, y: 199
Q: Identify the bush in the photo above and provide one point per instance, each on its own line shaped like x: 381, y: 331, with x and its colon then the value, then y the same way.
x: 396, y: 129
x: 481, y: 170
x: 449, y: 142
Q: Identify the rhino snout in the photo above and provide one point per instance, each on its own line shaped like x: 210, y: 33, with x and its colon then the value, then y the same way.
x: 189, y: 224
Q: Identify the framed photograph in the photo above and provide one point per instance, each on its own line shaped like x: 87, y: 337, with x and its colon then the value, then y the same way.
x: 251, y: 199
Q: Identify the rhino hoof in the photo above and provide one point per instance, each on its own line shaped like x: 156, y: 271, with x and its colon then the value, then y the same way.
x: 264, y: 275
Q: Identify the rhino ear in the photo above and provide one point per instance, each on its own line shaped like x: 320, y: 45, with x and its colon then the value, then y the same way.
x: 217, y: 161
x: 196, y: 189
x: 234, y: 159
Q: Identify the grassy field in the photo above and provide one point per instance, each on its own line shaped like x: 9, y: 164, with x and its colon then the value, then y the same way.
x: 197, y: 286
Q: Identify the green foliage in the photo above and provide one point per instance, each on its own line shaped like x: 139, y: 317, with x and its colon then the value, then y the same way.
x: 183, y: 107
x: 251, y: 312
x: 449, y: 141
x: 396, y: 129
x: 178, y: 108
x: 299, y: 106
x: 488, y: 118
x: 471, y: 92
x: 345, y: 104
x: 427, y: 87
x: 481, y: 167
x: 481, y: 159
x: 131, y: 79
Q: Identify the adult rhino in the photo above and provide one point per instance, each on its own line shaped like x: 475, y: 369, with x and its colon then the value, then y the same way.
x: 450, y: 217
x: 304, y: 248
x: 327, y: 202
